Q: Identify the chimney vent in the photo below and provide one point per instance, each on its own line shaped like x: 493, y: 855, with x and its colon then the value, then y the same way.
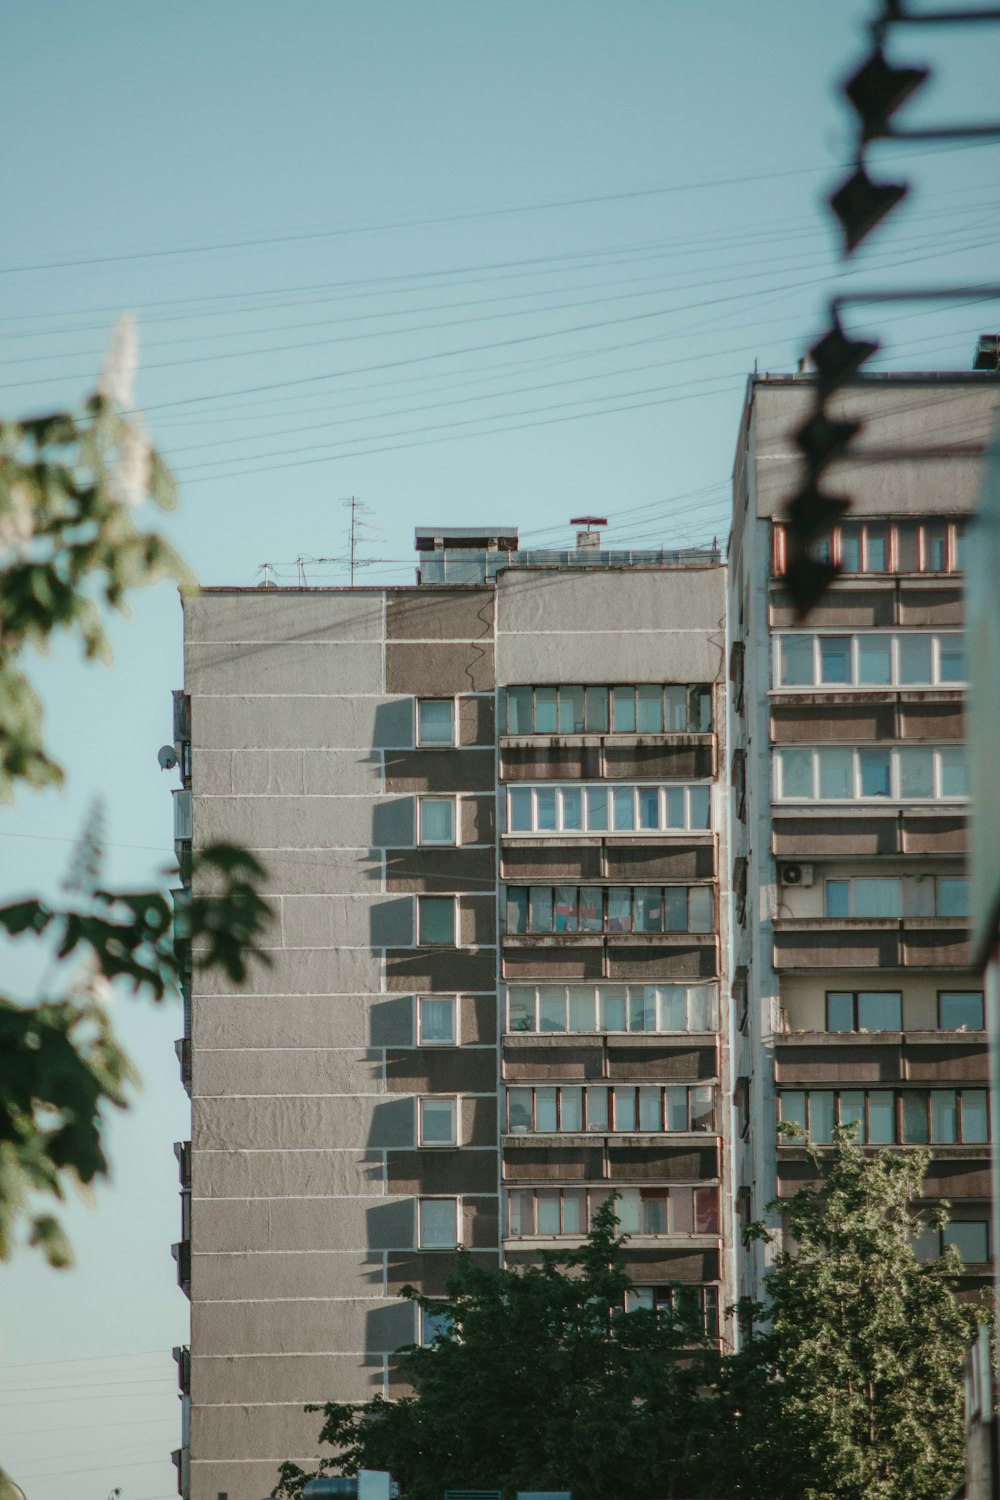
x: 590, y: 539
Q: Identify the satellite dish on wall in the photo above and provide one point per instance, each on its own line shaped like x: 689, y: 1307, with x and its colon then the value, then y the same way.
x: 167, y: 757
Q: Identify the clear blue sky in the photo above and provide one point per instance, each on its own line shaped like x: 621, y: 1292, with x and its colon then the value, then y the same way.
x: 613, y: 209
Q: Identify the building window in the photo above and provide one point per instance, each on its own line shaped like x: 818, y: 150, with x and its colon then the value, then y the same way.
x: 645, y: 708
x: 694, y: 1307
x: 436, y: 921
x: 887, y: 1117
x: 970, y: 1238
x: 613, y: 909
x: 433, y: 1325
x: 914, y: 659
x: 613, y: 1007
x: 568, y: 1212
x: 436, y: 1020
x: 904, y: 546
x: 437, y: 1118
x: 961, y: 1010
x: 435, y: 721
x: 843, y: 774
x: 664, y: 808
x: 438, y: 1223
x: 435, y: 820
x: 619, y: 1109
x: 877, y: 896
x: 952, y: 896
x: 864, y: 1010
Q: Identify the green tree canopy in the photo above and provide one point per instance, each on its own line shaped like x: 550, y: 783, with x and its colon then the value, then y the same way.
x: 540, y: 1381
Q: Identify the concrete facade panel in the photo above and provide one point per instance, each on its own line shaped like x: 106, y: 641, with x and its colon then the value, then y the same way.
x: 315, y: 872
x: 440, y: 971
x: 229, y: 1382
x: 301, y: 971
x: 438, y: 869
x: 287, y: 773
x: 282, y: 615
x: 587, y: 655
x: 431, y: 670
x: 313, y: 1326
x: 289, y: 1021
x: 308, y: 723
x: 345, y: 921
x: 304, y: 822
x: 288, y: 1070
x: 450, y: 614
x: 653, y: 601
x: 438, y: 771
x: 284, y: 669
x: 428, y: 1269
x: 446, y: 1070
x: 281, y: 1174
x: 279, y: 1123
x: 449, y: 1172
x: 476, y: 717
x: 305, y: 1223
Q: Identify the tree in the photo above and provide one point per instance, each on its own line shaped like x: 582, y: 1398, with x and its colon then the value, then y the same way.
x: 538, y: 1380
x: 853, y: 1386
x: 69, y: 550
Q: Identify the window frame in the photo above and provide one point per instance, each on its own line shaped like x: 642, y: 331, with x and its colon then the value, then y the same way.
x: 598, y: 719
x: 980, y: 994
x: 602, y: 994
x: 612, y: 793
x: 855, y: 998
x: 608, y: 1120
x: 422, y: 1202
x: 423, y: 942
x: 433, y: 744
x: 447, y: 800
x: 449, y: 1000
x: 902, y: 1118
x: 612, y: 896
x: 938, y: 640
x: 897, y: 768
x: 452, y: 1101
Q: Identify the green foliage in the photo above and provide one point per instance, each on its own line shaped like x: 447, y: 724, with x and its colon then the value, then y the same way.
x: 852, y: 1388
x: 69, y: 550
x: 537, y: 1385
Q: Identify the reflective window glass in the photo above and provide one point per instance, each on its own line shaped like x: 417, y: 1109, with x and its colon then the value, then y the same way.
x: 437, y: 1121
x: 700, y: 909
x: 649, y: 714
x: 875, y: 660
x: 519, y: 804
x: 960, y: 1010
x: 676, y: 705
x: 437, y: 820
x: 876, y: 773
x: 624, y: 1108
x: 519, y: 1109
x: 792, y: 1105
x: 573, y: 1215
x: 975, y: 1120
x: 649, y: 807
x: 650, y: 1102
x: 852, y: 1111
x: 571, y: 1109
x: 540, y: 908
x: 952, y: 896
x: 565, y: 908
x: 545, y: 808
x: 642, y: 1007
x: 936, y: 549
x: 572, y: 808
x: 675, y: 908
x: 835, y: 658
x: 702, y: 1108
x: 916, y: 773
x: 597, y: 1109
x: 969, y: 1238
x: 701, y: 723
x: 850, y: 548
x: 838, y: 898
x: 951, y: 659
x: 597, y: 807
x: 520, y: 1008
x: 706, y: 1211
x: 795, y: 661
x: 545, y: 1109
x: 591, y: 908
x: 703, y: 1008
x: 624, y: 807
x: 876, y: 549
x: 619, y: 909
x: 436, y: 1020
x: 944, y: 1116
x: 672, y: 1009
x: 546, y: 721
x: 551, y: 1011
x: 520, y: 1211
x: 627, y: 1211
x: 839, y: 1011
x: 596, y: 710
x: 436, y: 721
x: 676, y: 807
x: 915, y: 1125
x: 914, y: 658
x: 821, y: 1115
x: 954, y: 772
x: 519, y: 717
x: 701, y: 807
x: 675, y: 1103
x: 881, y: 1118
x: 547, y: 1211
x: 648, y: 905
x: 612, y: 1008
x: 517, y: 909
x: 880, y: 1010
x: 836, y: 774
x: 438, y: 1223
x: 571, y: 720
x: 877, y: 897
x: 654, y: 1213
x: 436, y: 919
x: 623, y: 710
x: 796, y: 768
x: 582, y: 1006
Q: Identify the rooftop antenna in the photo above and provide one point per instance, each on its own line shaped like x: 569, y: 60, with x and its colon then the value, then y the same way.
x: 300, y: 563
x: 267, y: 582
x: 359, y: 523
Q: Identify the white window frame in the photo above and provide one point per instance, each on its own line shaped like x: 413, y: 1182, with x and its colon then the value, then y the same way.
x: 437, y: 744
x: 437, y: 1099
x: 895, y: 798
x: 422, y: 942
x: 663, y: 789
x: 422, y: 1241
x: 937, y: 639
x: 452, y: 802
x: 452, y: 1001
x: 543, y: 991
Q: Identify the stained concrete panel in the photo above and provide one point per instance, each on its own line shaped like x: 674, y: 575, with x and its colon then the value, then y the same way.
x: 280, y: 1174
x: 285, y: 1021
x: 305, y: 723
x: 429, y: 670
x: 286, y: 1071
x: 300, y: 971
x: 282, y: 615
x: 335, y: 921
x: 247, y: 1124
x: 303, y: 822
x: 307, y: 1273
x: 654, y: 601
x: 283, y: 669
x: 285, y: 773
x: 311, y: 1326
x: 451, y: 615
x: 299, y: 1223
x: 439, y: 771
x: 221, y: 1385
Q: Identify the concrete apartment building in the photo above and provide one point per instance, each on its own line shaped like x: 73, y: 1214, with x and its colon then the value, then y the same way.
x: 492, y: 808
x: 854, y: 995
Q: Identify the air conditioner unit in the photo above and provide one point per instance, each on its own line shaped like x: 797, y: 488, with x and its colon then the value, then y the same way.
x: 796, y: 874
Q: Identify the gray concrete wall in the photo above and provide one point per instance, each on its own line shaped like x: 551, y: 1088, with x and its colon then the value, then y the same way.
x: 300, y: 1101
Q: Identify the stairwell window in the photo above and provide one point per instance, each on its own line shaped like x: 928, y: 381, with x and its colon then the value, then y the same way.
x: 436, y: 1021
x: 438, y: 1223
x: 437, y: 1118
x: 436, y: 820
x: 435, y: 721
x: 436, y: 921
